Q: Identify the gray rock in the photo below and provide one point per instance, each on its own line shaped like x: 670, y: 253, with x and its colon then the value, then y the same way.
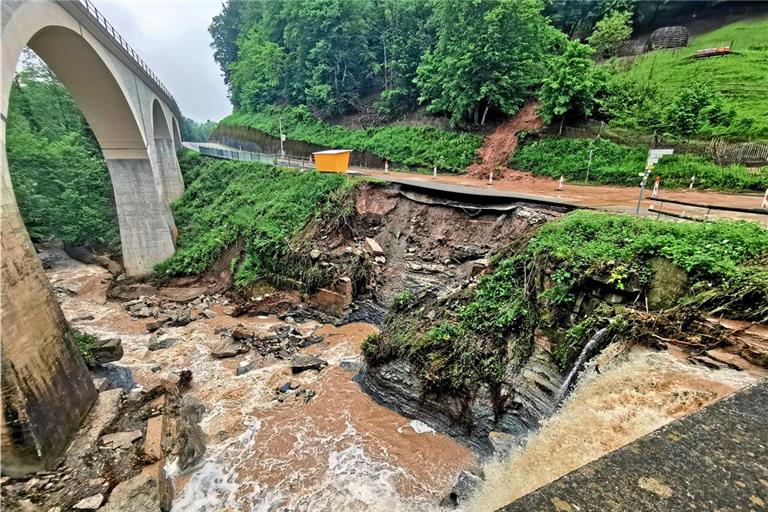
x: 146, y: 492
x: 244, y: 367
x: 228, y: 348
x: 157, y: 323
x: 314, y: 254
x: 466, y: 484
x: 89, y: 503
x: 303, y: 362
x: 158, y: 344
x: 107, y: 351
x: 668, y: 283
x: 209, y: 314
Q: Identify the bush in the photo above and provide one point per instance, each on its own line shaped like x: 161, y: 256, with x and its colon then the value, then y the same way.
x: 415, y: 146
x: 85, y: 343
x: 616, y: 164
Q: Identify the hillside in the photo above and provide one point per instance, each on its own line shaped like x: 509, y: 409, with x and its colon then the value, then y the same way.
x: 742, y: 78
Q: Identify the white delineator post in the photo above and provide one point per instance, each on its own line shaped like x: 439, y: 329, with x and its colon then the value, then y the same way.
x: 765, y: 200
x: 386, y: 166
x: 561, y: 185
x: 434, y: 172
x: 693, y: 178
x: 490, y: 179
x: 655, y: 192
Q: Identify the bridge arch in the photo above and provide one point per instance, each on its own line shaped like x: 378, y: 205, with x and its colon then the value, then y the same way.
x: 46, y: 389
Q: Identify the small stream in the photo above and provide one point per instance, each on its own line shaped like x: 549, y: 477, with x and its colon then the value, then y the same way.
x: 340, y: 451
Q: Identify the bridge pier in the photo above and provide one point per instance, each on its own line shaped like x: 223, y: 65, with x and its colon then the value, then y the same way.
x: 46, y: 387
x: 147, y: 230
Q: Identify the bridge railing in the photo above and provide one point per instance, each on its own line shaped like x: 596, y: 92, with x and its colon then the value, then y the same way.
x: 249, y: 156
x: 107, y: 26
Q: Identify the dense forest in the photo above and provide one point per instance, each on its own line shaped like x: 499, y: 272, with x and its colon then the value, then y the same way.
x: 59, y: 176
x: 467, y: 60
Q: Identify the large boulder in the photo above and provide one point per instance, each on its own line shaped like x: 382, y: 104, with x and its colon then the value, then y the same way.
x: 107, y: 351
x: 303, y: 362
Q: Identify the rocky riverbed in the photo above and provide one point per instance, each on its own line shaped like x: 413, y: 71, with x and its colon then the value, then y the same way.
x: 281, y: 424
x: 285, y: 425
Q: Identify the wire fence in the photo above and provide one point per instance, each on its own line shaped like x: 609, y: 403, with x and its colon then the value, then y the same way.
x: 750, y: 154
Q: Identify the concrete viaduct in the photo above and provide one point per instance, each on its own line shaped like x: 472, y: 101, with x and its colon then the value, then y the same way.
x: 46, y: 388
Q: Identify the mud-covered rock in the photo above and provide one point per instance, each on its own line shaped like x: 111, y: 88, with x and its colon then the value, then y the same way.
x: 107, y: 351
x: 302, y: 362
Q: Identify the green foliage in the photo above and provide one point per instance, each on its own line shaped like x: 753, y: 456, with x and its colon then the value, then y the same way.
x: 584, y: 244
x: 570, y: 83
x: 402, y: 301
x: 474, y: 337
x: 493, y: 328
x: 255, y: 77
x: 263, y: 206
x: 316, y: 52
x: 740, y: 79
x: 58, y: 173
x: 419, y: 146
x: 407, y: 32
x: 578, y: 18
x: 695, y: 106
x: 487, y: 56
x: 85, y: 344
x: 616, y: 164
x: 611, y: 32
x: 192, y: 131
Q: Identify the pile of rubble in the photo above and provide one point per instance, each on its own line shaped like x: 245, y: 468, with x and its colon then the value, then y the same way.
x: 169, y: 313
x: 123, y: 457
x: 279, y: 342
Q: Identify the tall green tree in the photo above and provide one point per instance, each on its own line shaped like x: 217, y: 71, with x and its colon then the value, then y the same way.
x: 489, y: 54
x: 333, y: 64
x: 405, y: 32
x: 570, y: 83
x: 58, y: 173
x: 611, y: 32
x: 256, y: 77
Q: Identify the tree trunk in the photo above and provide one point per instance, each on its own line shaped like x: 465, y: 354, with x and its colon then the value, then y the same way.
x: 485, y: 113
x: 562, y: 119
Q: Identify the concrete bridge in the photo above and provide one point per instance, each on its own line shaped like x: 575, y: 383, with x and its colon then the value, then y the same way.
x: 46, y: 389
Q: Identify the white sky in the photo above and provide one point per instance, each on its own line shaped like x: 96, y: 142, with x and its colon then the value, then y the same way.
x: 172, y: 38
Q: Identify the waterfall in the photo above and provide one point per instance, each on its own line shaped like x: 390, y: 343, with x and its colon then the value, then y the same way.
x: 585, y: 354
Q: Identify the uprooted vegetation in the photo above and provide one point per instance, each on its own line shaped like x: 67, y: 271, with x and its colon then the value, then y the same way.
x: 577, y: 274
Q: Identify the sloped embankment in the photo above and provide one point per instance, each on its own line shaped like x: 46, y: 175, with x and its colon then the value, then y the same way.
x: 497, y: 354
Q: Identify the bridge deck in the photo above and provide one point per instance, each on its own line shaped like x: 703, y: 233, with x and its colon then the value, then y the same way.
x: 713, y: 460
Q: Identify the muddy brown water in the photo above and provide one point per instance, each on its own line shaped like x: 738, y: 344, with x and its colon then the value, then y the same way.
x: 343, y: 452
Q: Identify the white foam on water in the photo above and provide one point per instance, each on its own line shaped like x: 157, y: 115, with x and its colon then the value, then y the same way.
x: 418, y: 426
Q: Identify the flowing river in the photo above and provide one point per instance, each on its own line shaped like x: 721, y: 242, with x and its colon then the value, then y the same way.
x: 340, y: 451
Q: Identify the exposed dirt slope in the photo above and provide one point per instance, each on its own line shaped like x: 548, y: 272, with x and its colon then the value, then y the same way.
x: 499, y: 146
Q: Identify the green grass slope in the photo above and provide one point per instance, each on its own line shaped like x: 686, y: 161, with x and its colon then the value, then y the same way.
x: 413, y: 146
x: 741, y: 77
x: 261, y: 205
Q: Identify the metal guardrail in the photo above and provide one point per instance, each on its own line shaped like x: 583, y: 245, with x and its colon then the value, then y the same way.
x: 248, y: 156
x: 100, y: 20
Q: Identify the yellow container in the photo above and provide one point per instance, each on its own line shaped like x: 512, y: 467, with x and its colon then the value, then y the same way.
x: 332, y: 160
